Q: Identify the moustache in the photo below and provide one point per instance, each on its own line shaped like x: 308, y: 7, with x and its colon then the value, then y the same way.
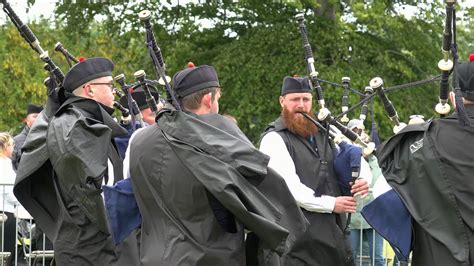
x: 302, y: 112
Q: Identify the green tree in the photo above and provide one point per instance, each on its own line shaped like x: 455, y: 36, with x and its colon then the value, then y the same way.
x: 21, y: 77
x: 253, y: 45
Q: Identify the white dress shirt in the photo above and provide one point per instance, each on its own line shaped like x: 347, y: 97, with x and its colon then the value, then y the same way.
x: 7, y: 180
x: 126, y: 160
x: 280, y: 160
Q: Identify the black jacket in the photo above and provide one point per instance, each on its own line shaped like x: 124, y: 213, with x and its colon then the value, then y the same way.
x: 431, y: 167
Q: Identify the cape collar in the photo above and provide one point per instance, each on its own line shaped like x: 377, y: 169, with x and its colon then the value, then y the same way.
x: 94, y: 110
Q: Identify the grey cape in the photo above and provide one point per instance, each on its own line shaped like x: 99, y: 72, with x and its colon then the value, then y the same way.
x: 59, y: 179
x: 215, y: 161
x: 19, y: 141
x: 431, y: 167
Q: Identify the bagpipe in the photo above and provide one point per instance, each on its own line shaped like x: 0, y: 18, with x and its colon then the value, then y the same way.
x: 140, y: 77
x: 387, y: 214
x: 69, y: 57
x: 157, y: 60
x: 376, y: 89
x: 132, y: 104
x: 324, y: 115
x: 147, y: 85
x: 445, y: 64
x: 126, y: 118
x: 55, y: 91
x: 345, y: 98
x: 56, y: 94
x: 376, y: 85
x: 348, y: 154
x: 365, y: 105
x: 449, y: 67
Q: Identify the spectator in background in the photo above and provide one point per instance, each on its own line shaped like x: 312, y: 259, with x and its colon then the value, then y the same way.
x: 32, y: 112
x: 147, y: 115
x: 7, y: 199
x: 362, y: 234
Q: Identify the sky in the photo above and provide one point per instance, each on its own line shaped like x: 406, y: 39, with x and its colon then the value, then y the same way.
x: 46, y: 7
x: 40, y: 8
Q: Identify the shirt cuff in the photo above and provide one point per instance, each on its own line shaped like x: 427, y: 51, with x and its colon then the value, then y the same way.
x: 329, y: 203
x: 323, y: 204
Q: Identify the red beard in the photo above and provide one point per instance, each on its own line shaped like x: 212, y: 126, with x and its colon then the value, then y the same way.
x: 298, y: 124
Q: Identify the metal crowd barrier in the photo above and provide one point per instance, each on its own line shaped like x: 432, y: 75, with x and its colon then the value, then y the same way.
x: 384, y: 256
x: 23, y: 253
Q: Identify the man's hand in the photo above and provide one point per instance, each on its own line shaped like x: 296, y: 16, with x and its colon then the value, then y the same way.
x: 360, y: 188
x: 345, y: 204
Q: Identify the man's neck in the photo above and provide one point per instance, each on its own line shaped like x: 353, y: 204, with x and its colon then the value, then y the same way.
x: 201, y: 111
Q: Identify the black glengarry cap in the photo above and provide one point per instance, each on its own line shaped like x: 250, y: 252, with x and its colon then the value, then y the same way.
x: 87, y: 70
x: 139, y: 96
x: 466, y: 79
x: 33, y: 109
x: 194, y: 79
x: 294, y: 85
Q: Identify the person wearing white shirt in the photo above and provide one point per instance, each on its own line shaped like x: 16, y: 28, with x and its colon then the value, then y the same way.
x: 7, y: 199
x: 304, y: 158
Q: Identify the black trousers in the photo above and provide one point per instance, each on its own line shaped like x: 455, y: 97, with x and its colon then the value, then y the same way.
x: 9, y: 236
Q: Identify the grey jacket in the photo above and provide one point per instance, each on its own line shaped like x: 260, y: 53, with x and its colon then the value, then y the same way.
x: 19, y: 141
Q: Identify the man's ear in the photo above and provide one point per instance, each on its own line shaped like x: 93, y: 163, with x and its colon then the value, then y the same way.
x: 207, y: 100
x: 87, y: 90
x: 281, y: 99
x: 28, y: 120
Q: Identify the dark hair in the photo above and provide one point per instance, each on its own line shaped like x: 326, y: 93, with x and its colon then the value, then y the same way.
x: 193, y: 100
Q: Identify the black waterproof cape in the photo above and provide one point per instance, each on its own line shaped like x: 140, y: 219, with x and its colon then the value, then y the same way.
x: 431, y: 167
x: 65, y: 202
x: 184, y: 158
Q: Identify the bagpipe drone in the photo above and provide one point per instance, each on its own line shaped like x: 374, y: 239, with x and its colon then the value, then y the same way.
x: 396, y: 231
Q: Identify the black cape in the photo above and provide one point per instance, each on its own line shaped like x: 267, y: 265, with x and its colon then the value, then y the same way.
x: 65, y: 202
x: 216, y: 159
x: 431, y: 167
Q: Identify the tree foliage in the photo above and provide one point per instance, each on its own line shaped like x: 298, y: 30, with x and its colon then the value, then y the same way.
x: 253, y: 45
